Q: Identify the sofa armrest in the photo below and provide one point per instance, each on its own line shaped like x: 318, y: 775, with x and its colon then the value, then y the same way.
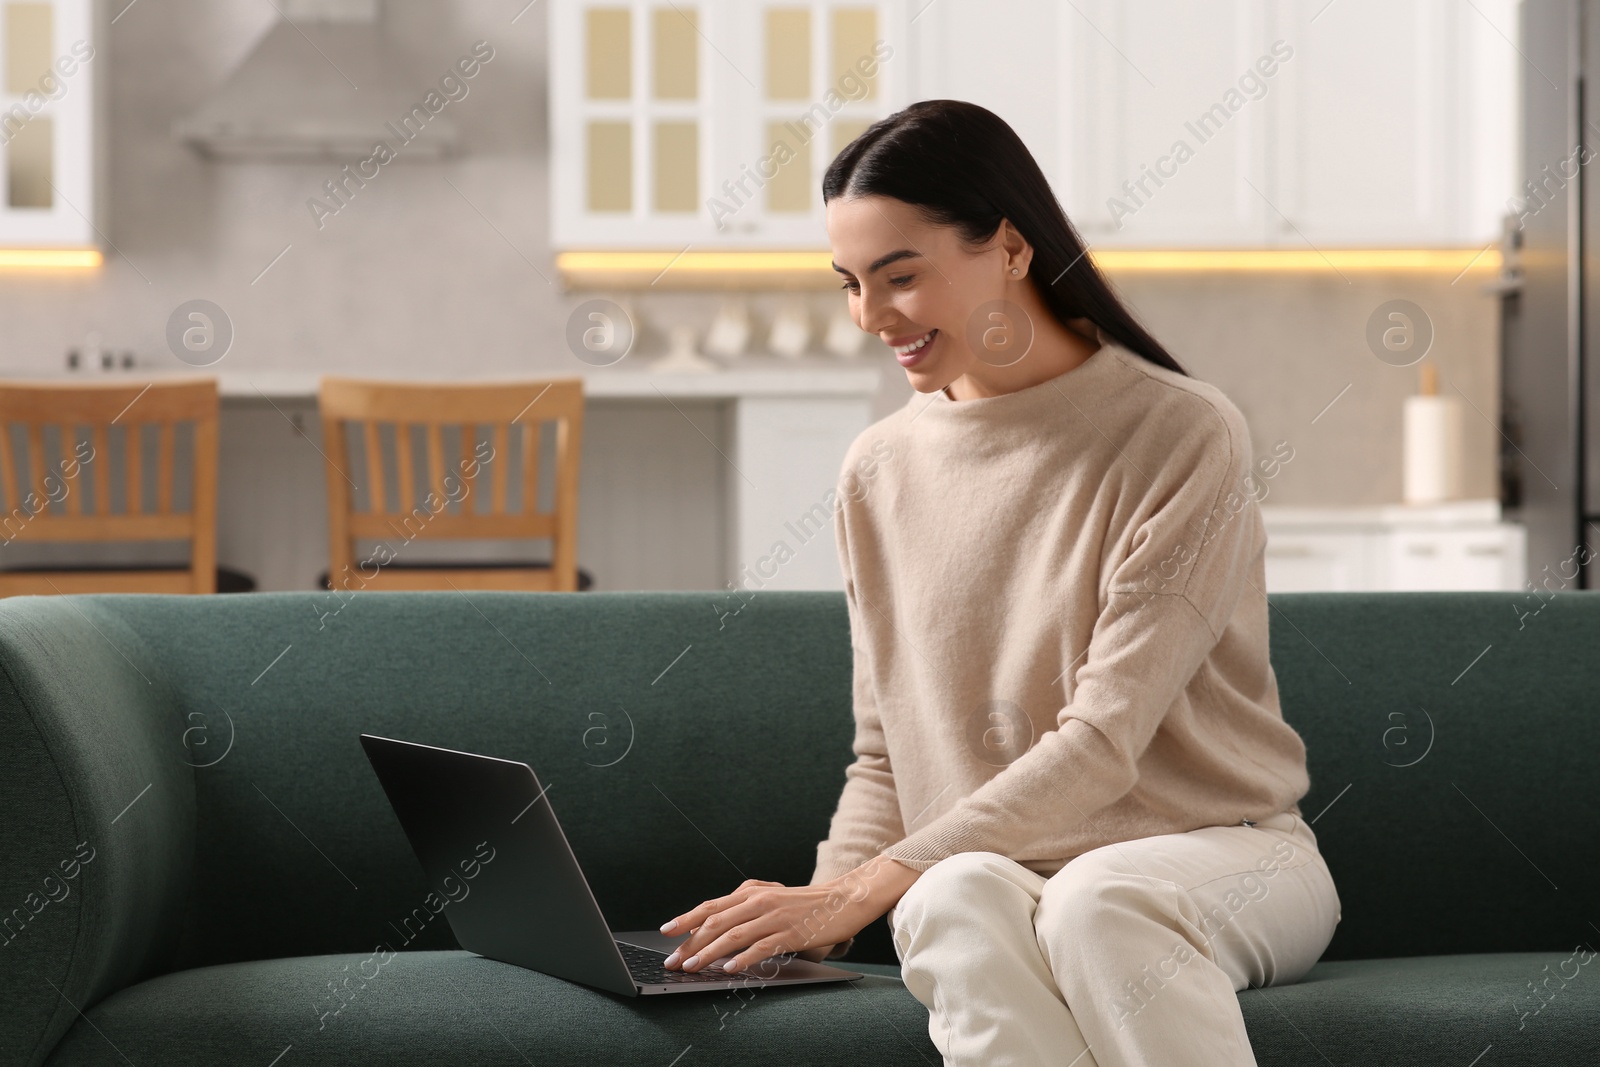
x: 97, y: 843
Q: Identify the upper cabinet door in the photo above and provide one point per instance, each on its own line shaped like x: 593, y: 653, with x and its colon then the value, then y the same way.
x: 1396, y: 124
x: 1166, y: 109
x: 48, y: 156
x: 708, y: 123
x: 1289, y: 123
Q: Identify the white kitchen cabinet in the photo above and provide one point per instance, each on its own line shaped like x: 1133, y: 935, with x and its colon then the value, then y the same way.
x: 1459, y: 545
x: 1394, y: 124
x: 1151, y: 154
x: 1290, y: 123
x: 709, y: 123
x: 1334, y: 561
x: 1482, y: 558
x: 52, y: 167
x: 1160, y: 123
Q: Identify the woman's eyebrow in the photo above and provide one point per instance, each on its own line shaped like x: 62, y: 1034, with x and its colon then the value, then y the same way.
x: 884, y: 261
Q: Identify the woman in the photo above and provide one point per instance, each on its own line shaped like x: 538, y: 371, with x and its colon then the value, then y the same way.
x: 1074, y: 791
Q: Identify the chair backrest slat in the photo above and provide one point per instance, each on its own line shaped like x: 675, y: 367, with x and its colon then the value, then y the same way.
x: 15, y: 501
x: 374, y: 449
x: 36, y: 464
x: 68, y: 473
x: 99, y: 437
x: 530, y: 465
x: 407, y: 467
x: 133, y: 461
x: 498, y: 465
x: 164, y: 470
x: 464, y: 468
x: 435, y: 465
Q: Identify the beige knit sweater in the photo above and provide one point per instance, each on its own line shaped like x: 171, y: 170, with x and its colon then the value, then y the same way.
x: 1059, y: 623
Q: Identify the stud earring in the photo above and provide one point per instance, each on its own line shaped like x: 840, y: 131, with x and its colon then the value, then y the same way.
x: 1014, y: 270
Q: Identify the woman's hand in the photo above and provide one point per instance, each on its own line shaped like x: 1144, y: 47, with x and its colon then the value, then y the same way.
x: 762, y: 919
x: 817, y: 955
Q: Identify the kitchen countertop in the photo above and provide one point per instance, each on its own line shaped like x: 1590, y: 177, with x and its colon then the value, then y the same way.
x: 753, y: 376
x: 1485, y: 512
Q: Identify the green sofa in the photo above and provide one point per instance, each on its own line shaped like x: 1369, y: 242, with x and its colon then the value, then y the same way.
x: 198, y: 866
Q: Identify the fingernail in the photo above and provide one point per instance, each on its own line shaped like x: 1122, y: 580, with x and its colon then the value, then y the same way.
x: 668, y: 926
x: 670, y: 960
x: 690, y: 962
x: 732, y: 965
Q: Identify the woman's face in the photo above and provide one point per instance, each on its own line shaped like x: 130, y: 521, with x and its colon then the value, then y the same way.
x: 908, y: 280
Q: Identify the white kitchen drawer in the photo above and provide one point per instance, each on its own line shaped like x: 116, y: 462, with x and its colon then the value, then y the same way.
x: 1338, y: 561
x: 1304, y: 557
x: 1482, y: 558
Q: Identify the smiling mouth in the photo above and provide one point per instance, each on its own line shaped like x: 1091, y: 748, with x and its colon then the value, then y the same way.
x: 907, y: 349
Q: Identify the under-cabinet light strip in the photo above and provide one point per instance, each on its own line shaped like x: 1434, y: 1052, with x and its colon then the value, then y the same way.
x: 49, y: 258
x: 675, y: 269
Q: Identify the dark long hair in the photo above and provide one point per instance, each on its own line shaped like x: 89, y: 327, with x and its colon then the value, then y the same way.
x: 963, y: 165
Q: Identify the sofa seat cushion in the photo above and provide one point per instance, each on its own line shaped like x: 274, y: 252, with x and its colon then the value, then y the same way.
x: 1422, y: 1011
x: 455, y: 1007
x: 1432, y: 1010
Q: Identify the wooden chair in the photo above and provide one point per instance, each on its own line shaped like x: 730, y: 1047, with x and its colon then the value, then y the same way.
x: 354, y: 411
x: 49, y: 503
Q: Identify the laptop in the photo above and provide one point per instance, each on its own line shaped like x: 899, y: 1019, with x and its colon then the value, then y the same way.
x: 489, y: 842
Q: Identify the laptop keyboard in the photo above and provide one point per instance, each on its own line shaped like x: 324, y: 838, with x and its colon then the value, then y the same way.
x: 646, y: 967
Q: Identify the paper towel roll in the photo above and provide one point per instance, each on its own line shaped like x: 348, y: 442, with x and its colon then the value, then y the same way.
x: 1433, y: 431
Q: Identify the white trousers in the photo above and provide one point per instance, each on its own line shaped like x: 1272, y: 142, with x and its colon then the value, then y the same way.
x: 1129, y: 956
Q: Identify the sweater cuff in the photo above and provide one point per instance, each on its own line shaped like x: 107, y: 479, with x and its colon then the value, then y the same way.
x: 948, y: 835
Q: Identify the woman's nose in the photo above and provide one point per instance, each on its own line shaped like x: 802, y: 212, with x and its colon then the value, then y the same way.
x: 873, y: 315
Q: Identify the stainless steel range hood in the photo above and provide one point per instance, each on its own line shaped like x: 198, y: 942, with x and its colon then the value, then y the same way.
x: 323, y: 84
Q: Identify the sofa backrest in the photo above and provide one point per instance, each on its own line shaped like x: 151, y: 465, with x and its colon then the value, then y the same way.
x: 688, y: 741
x: 1449, y: 737
x: 206, y: 750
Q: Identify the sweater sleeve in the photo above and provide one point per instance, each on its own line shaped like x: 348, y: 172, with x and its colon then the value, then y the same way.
x: 867, y: 817
x: 1148, y: 641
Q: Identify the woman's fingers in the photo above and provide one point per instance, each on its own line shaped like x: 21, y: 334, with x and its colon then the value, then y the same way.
x: 756, y: 958
x: 695, y: 916
x: 727, y: 915
x: 748, y: 944
x: 758, y: 920
x: 691, y: 920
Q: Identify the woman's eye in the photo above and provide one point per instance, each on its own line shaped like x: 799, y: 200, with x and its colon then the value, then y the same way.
x: 900, y: 282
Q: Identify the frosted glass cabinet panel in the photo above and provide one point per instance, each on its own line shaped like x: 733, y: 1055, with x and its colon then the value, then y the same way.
x: 49, y: 162
x: 676, y: 166
x: 610, y: 166
x: 788, y: 53
x: 608, y: 52
x: 30, y: 166
x: 29, y: 37
x: 675, y: 54
x: 709, y: 123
